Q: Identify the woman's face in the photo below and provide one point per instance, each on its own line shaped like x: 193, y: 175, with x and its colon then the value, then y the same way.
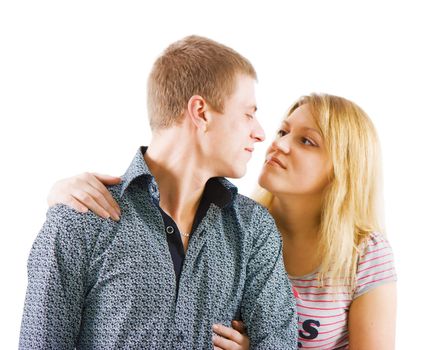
x: 297, y: 162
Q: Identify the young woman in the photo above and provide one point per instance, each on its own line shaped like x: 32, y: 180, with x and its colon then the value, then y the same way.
x: 320, y: 182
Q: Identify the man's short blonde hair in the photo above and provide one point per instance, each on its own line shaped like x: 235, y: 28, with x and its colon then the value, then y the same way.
x: 192, y: 66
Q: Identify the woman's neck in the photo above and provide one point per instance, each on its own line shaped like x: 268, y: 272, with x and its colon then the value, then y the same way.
x: 298, y: 220
x: 297, y: 217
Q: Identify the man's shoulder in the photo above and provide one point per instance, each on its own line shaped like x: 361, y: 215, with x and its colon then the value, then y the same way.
x: 64, y: 223
x: 255, y: 217
x: 249, y: 207
x: 64, y: 215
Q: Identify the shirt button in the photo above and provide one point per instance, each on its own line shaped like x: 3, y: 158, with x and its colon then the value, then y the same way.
x: 170, y: 229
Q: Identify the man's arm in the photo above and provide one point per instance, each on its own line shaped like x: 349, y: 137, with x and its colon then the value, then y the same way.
x: 54, y: 298
x: 268, y: 305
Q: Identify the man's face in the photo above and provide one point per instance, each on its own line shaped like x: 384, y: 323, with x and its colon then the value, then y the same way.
x: 233, y: 133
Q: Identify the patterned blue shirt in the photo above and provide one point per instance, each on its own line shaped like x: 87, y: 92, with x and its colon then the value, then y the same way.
x: 95, y: 283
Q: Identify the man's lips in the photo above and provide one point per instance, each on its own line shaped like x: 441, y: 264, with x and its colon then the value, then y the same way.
x: 276, y: 161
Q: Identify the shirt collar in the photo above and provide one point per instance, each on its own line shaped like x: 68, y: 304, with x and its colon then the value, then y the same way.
x: 218, y: 190
x: 137, y: 169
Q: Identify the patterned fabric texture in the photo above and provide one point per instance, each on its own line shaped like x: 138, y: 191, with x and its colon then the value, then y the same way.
x: 98, y: 284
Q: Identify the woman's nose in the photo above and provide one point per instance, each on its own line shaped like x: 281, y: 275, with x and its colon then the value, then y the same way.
x: 281, y: 144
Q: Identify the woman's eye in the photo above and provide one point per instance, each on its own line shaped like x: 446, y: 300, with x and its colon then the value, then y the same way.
x: 308, y: 142
x: 281, y: 133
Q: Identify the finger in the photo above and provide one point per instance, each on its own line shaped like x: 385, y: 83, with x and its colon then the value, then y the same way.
x: 228, y: 333
x: 89, y: 183
x: 75, y: 204
x: 107, y: 179
x: 105, y: 193
x: 239, y: 326
x: 86, y: 199
x: 99, y: 193
x: 101, y: 200
x: 224, y: 344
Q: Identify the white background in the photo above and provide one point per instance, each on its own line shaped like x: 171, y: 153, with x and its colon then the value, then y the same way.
x: 72, y: 99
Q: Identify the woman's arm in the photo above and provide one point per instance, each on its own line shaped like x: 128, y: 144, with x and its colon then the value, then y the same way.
x: 372, y: 319
x: 87, y: 191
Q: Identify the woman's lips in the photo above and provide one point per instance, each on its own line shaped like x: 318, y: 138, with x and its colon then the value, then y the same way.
x: 275, y: 160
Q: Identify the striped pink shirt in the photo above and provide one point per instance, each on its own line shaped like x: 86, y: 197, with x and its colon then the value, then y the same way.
x: 323, y: 312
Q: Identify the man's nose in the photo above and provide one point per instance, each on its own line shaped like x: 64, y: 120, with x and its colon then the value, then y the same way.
x: 258, y: 132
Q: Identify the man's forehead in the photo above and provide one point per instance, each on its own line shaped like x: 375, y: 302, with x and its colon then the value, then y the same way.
x: 245, y: 94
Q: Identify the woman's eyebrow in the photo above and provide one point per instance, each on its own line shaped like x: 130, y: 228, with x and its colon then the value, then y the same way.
x: 286, y: 123
x: 313, y: 130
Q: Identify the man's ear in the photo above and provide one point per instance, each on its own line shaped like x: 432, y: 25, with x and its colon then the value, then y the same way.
x: 196, y: 112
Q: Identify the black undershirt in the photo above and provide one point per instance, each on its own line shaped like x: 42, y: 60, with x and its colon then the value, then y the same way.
x: 214, y: 192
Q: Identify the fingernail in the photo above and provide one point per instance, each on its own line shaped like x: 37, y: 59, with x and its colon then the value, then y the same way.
x: 215, y: 327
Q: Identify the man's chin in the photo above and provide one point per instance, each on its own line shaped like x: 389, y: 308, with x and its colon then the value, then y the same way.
x: 236, y: 173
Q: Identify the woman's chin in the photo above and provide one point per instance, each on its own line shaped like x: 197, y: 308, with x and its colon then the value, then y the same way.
x: 265, y: 180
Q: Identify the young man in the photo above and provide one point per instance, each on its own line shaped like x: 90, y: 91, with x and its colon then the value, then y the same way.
x: 188, y: 251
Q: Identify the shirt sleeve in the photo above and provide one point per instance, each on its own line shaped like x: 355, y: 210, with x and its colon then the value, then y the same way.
x: 376, y: 265
x: 53, y: 303
x: 268, y: 305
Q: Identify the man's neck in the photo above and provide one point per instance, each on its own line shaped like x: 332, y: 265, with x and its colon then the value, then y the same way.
x: 180, y: 177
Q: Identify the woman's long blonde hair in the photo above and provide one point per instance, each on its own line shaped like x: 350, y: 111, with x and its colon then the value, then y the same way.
x: 352, y: 199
